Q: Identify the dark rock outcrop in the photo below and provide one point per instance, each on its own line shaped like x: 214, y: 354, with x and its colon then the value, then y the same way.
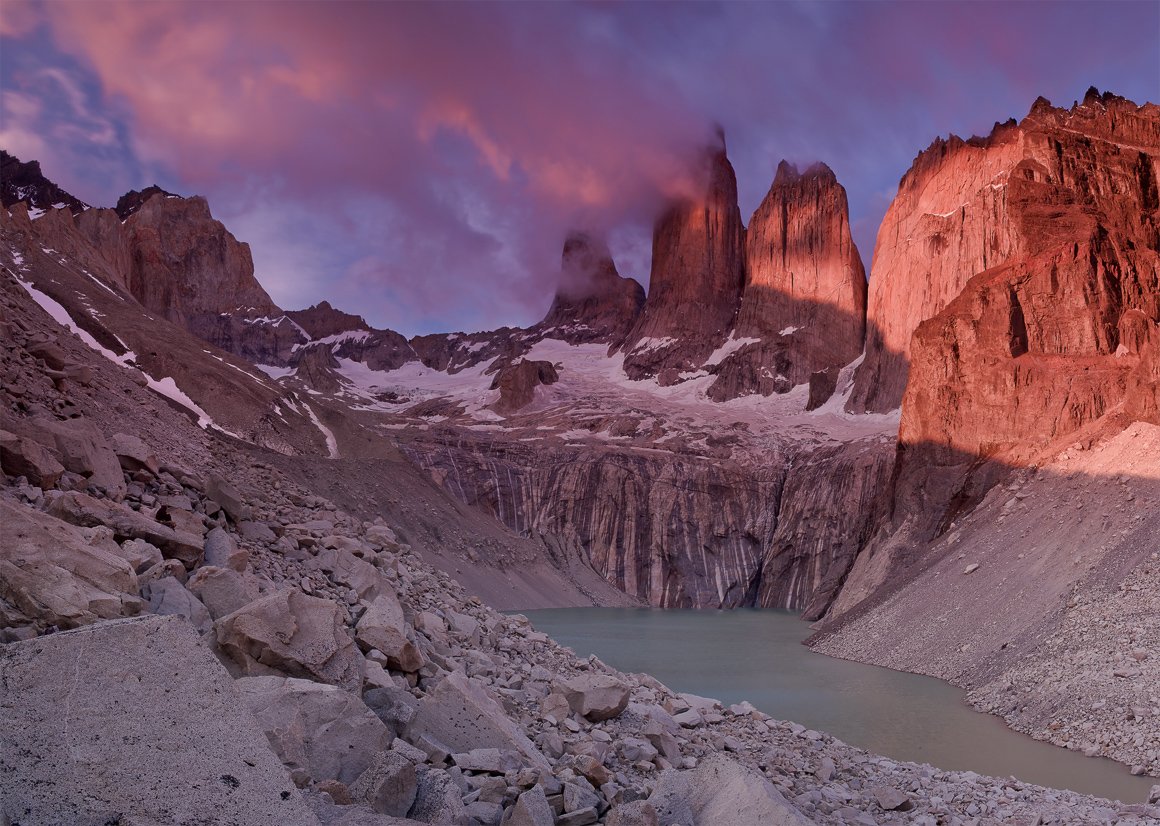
x: 23, y: 182
x: 517, y: 383
x: 593, y: 301
x: 322, y: 320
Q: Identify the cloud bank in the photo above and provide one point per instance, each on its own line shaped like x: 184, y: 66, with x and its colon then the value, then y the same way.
x: 420, y: 164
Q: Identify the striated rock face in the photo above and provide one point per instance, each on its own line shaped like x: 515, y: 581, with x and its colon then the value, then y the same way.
x: 804, y: 300
x: 593, y: 302
x: 696, y: 279
x: 676, y: 531
x: 831, y: 504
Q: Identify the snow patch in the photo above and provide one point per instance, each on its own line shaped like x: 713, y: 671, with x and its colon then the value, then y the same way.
x: 275, y: 372
x: 327, y: 433
x: 646, y: 345
x: 731, y: 346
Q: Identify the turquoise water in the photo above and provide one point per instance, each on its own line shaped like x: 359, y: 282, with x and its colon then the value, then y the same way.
x: 758, y: 656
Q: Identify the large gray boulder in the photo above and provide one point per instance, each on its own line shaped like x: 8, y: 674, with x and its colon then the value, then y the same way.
x: 595, y: 696
x: 382, y: 626
x: 388, y: 785
x: 531, y: 809
x: 168, y: 597
x: 133, y: 721
x: 221, y: 590
x: 20, y: 456
x: 81, y: 448
x: 54, y: 574
x: 720, y: 790
x: 438, y: 800
x: 222, y: 550
x: 134, y: 454
x: 320, y: 732
x: 462, y: 714
x: 86, y: 511
x: 295, y: 634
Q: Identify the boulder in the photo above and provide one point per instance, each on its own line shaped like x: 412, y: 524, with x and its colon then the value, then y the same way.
x: 320, y: 732
x: 87, y: 511
x: 141, y: 555
x: 438, y: 800
x: 81, y: 448
x: 292, y: 633
x: 388, y: 785
x: 168, y: 597
x: 221, y: 590
x: 382, y: 626
x: 595, y: 696
x: 461, y: 713
x: 20, y: 456
x: 395, y: 706
x: 226, y: 495
x: 134, y: 454
x: 531, y: 809
x: 55, y: 575
x: 344, y: 568
x: 154, y: 728
x: 221, y: 550
x: 634, y: 813
x: 720, y: 790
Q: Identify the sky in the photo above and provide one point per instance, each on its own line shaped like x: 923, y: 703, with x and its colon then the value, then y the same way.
x: 420, y: 164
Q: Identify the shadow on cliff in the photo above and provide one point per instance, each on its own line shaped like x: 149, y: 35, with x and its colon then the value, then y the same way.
x: 1090, y: 499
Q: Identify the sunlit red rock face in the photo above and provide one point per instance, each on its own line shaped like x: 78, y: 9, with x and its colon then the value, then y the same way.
x: 1058, y: 339
x: 593, y: 302
x: 966, y: 207
x: 696, y: 280
x: 1041, y: 345
x: 804, y: 299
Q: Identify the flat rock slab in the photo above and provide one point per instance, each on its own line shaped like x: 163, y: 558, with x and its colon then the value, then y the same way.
x: 133, y: 718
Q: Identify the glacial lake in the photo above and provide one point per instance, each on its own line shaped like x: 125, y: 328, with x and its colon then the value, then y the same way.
x: 758, y: 656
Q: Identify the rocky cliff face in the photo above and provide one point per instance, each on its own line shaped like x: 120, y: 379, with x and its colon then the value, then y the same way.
x: 803, y: 306
x: 675, y: 531
x: 593, y: 302
x: 969, y: 206
x: 190, y: 269
x: 695, y: 282
x: 1056, y: 336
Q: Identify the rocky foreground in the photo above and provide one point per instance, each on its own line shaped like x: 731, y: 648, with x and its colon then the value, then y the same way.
x: 387, y: 694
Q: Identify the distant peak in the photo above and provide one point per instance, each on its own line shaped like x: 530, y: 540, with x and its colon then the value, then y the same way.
x: 133, y: 200
x: 23, y: 182
x: 788, y: 174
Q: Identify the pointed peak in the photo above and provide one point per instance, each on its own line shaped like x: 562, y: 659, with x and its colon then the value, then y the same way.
x: 787, y: 173
x: 133, y: 200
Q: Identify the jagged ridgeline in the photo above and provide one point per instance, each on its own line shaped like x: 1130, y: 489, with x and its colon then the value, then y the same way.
x: 952, y: 466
